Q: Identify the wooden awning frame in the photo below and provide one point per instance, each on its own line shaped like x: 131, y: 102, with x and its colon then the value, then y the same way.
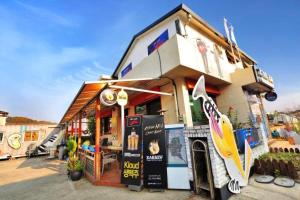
x: 89, y: 91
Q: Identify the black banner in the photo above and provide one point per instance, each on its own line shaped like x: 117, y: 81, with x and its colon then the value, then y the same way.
x: 154, y: 152
x: 131, y: 159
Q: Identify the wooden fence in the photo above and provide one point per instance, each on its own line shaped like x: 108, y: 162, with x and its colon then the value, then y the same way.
x: 275, y: 167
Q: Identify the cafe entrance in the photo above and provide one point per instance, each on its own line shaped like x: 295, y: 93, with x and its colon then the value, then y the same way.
x: 97, y: 121
x: 203, y: 179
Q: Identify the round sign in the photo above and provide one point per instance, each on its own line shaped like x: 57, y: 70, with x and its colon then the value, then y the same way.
x: 271, y: 96
x: 122, y: 98
x: 108, y: 97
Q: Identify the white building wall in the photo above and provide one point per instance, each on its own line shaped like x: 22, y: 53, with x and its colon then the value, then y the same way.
x: 44, y: 131
x: 139, y: 49
x: 226, y: 67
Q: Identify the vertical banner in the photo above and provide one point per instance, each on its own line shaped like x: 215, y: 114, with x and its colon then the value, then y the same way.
x: 154, y: 150
x: 131, y: 159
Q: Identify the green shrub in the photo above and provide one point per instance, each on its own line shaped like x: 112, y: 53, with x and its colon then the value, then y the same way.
x: 71, y: 145
x: 74, y: 164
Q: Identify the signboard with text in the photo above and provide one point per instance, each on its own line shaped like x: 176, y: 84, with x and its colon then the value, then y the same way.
x: 132, y: 150
x: 154, y: 152
x: 263, y: 77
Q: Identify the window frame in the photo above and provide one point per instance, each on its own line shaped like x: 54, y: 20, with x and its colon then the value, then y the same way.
x: 31, y: 135
x: 2, y: 138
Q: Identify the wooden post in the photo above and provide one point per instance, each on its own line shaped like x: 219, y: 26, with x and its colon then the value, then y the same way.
x: 97, y: 142
x: 72, y: 128
x: 67, y: 131
x: 79, y: 129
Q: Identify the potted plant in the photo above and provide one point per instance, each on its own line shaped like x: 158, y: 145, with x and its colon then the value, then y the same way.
x: 75, y: 168
x: 71, y: 145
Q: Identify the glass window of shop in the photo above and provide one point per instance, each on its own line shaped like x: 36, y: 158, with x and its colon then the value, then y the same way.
x: 150, y: 108
x: 106, y: 125
x: 198, y: 115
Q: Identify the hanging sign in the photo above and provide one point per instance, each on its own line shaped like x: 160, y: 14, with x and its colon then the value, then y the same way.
x: 108, y: 97
x: 271, y: 96
x: 154, y: 152
x: 263, y: 77
x: 122, y: 98
x: 224, y: 140
x: 131, y: 159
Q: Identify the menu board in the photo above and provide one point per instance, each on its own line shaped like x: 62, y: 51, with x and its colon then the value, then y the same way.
x: 132, y: 150
x: 154, y: 150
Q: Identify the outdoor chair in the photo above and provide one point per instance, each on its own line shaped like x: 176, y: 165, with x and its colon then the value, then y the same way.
x: 107, y: 159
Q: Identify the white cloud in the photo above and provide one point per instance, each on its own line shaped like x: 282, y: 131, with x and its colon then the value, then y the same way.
x: 39, y: 79
x: 48, y: 15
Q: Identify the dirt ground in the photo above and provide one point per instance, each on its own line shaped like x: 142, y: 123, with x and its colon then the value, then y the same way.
x: 39, y: 178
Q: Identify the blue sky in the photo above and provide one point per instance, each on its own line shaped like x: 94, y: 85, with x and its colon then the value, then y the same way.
x: 48, y: 48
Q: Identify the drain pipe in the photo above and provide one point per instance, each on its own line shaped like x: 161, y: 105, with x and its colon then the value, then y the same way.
x: 174, y: 87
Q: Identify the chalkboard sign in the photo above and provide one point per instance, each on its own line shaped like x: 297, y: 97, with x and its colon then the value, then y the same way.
x: 89, y: 167
x: 155, y: 159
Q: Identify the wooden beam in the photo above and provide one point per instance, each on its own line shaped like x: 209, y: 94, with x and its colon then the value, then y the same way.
x: 72, y: 128
x: 140, y: 90
x: 97, y: 142
x: 79, y: 129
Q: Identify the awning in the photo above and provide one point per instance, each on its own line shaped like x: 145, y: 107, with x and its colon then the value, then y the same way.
x: 86, y: 93
x: 85, y: 98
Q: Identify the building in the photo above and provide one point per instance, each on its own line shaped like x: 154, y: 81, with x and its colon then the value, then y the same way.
x: 20, y: 135
x: 169, y: 56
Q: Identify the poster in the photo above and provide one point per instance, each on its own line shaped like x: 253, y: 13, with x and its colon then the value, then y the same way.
x: 158, y: 42
x: 176, y: 147
x: 131, y: 159
x: 177, y: 159
x: 154, y: 150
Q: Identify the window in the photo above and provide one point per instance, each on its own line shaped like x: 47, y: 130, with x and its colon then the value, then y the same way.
x: 1, y: 137
x: 198, y: 115
x: 31, y: 136
x: 106, y: 125
x: 149, y: 108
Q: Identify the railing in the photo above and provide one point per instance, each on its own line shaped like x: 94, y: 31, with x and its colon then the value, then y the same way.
x: 88, y: 159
